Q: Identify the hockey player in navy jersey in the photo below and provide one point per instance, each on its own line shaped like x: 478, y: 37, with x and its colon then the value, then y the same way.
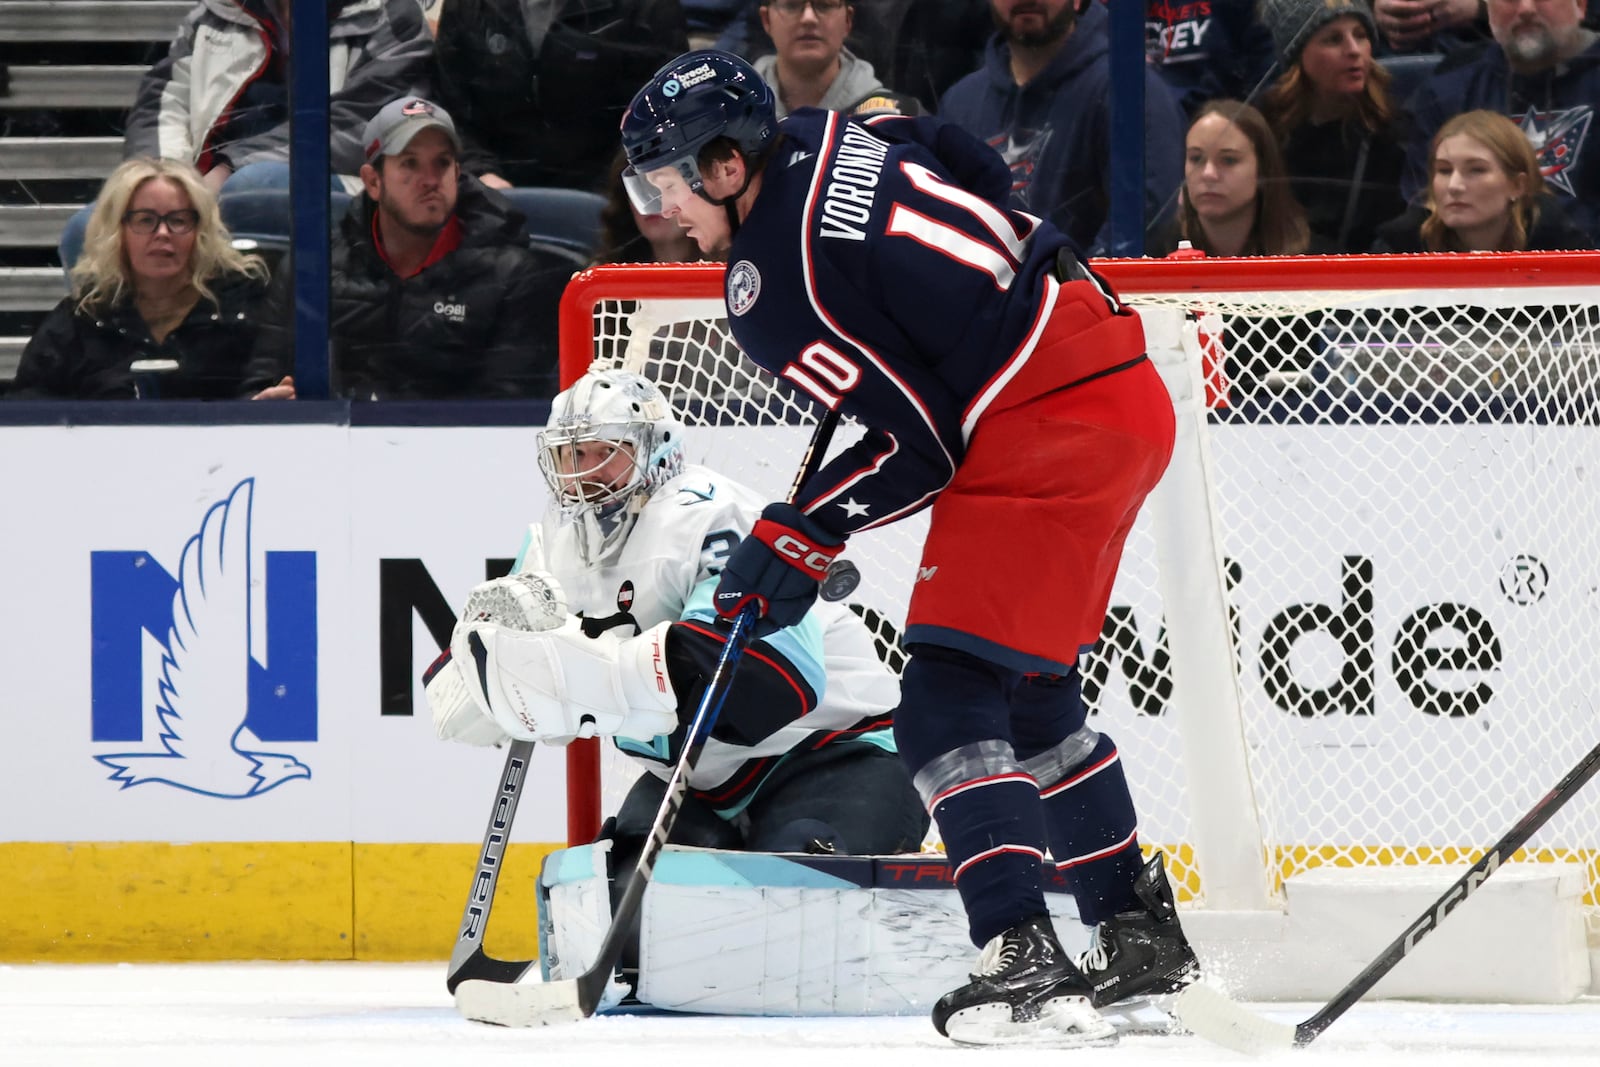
x: 802, y: 757
x: 873, y: 266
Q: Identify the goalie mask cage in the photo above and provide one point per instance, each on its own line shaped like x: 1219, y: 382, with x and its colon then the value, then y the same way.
x: 1357, y: 623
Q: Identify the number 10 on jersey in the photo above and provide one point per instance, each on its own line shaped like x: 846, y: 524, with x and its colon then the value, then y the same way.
x: 824, y: 373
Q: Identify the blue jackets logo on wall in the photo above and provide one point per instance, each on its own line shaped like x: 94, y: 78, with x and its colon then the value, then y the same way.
x: 214, y: 708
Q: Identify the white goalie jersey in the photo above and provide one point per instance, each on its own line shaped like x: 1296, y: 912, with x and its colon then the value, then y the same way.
x: 820, y: 682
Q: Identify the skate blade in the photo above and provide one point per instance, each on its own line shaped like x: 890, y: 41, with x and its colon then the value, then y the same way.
x: 1145, y: 1015
x: 1064, y: 1022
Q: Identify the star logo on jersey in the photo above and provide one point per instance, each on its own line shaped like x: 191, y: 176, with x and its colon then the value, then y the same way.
x: 1557, y: 138
x: 744, y: 285
x: 853, y: 508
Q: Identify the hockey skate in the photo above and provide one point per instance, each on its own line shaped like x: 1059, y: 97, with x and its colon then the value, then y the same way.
x: 1024, y: 991
x: 1139, y: 959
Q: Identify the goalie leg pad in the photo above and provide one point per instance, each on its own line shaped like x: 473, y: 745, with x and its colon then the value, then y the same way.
x: 554, y: 685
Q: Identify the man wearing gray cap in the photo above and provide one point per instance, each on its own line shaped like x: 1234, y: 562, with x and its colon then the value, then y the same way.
x: 435, y: 292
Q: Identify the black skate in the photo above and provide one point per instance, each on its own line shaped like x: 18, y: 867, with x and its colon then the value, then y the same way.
x: 1140, y: 958
x: 1024, y: 991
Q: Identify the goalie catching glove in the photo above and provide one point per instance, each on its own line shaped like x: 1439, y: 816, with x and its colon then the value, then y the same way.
x: 553, y: 683
x: 778, y: 568
x: 532, y: 600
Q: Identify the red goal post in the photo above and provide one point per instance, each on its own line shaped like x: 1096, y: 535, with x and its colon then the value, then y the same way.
x: 1358, y: 625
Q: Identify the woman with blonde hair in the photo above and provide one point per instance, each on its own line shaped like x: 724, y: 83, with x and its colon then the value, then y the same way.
x: 1236, y: 199
x: 1485, y: 194
x: 159, y: 281
x: 1343, y: 136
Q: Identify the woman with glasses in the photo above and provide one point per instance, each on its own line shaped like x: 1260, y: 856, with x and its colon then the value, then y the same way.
x: 161, y: 303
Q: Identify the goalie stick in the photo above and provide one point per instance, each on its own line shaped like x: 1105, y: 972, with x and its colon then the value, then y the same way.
x: 469, y: 960
x: 1217, y: 1018
x: 499, y: 997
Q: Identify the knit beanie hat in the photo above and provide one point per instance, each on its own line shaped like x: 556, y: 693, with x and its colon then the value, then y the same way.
x: 1292, y: 22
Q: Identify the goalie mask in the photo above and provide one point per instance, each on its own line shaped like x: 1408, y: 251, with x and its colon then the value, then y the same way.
x: 612, y: 439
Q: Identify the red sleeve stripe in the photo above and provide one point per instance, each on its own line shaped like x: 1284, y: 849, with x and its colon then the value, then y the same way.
x: 754, y: 769
x: 778, y: 668
x: 856, y: 730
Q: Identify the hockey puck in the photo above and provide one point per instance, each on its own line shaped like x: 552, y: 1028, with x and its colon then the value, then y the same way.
x: 842, y: 578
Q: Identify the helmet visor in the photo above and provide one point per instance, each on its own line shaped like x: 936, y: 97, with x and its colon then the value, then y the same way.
x: 662, y: 189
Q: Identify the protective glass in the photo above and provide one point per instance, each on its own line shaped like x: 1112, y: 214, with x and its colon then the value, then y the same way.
x: 145, y: 222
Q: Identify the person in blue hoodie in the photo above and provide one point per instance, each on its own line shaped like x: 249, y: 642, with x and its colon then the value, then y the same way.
x: 1543, y: 73
x: 1041, y: 99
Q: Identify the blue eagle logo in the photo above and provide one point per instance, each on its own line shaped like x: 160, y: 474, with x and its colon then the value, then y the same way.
x: 203, y: 694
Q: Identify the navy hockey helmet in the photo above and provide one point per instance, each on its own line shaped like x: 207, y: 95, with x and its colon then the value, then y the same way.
x: 692, y: 101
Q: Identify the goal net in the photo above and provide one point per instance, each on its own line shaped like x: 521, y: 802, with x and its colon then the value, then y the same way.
x: 1357, y: 623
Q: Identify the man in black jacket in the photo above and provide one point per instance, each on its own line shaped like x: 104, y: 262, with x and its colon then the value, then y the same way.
x: 435, y: 292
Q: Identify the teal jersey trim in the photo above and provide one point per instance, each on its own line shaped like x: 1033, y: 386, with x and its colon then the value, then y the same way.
x: 800, y: 644
x: 522, y: 553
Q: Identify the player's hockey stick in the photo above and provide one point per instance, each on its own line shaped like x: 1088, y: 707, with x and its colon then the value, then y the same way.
x: 505, y: 1001
x: 468, y: 960
x: 1215, y: 1017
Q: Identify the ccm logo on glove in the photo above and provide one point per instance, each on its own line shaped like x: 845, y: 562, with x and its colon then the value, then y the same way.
x: 783, y: 541
x: 776, y: 569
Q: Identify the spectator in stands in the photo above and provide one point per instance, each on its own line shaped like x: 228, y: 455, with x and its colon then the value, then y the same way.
x: 539, y: 87
x: 813, y: 68
x: 159, y: 280
x: 1042, y: 100
x: 1207, y: 49
x: 1236, y: 197
x: 1486, y: 195
x: 1542, y: 72
x: 220, y: 98
x: 1343, y: 137
x: 626, y: 236
x: 1436, y: 26
x: 435, y: 293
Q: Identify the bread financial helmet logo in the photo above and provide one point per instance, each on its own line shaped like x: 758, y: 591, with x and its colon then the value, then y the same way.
x: 744, y: 285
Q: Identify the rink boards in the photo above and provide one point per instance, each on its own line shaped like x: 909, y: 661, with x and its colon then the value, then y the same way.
x: 212, y: 637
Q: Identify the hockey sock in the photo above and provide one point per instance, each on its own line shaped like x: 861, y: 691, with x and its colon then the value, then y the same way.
x: 951, y: 729
x: 1088, y: 812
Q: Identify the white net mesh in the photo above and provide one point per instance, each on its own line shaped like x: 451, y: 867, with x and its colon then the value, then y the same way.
x: 1402, y: 484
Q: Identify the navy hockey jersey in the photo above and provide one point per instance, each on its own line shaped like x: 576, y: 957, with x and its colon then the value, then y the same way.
x: 879, y: 272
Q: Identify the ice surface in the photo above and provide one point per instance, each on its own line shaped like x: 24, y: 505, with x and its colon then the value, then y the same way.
x: 398, y: 1015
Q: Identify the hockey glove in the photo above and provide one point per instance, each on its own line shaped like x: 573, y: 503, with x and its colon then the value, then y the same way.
x: 777, y: 568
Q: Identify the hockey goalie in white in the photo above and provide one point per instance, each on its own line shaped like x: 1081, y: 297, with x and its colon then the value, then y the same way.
x: 605, y: 628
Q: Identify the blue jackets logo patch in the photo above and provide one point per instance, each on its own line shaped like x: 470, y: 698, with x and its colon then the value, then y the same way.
x: 744, y: 285
x: 205, y: 722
